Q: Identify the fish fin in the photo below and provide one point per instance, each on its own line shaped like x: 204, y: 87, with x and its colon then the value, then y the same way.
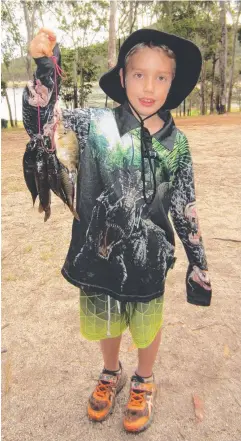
x: 34, y: 198
x: 74, y: 212
x: 47, y: 214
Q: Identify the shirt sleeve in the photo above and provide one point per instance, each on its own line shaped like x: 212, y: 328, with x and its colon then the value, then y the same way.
x: 41, y: 106
x: 185, y: 219
x: 39, y: 97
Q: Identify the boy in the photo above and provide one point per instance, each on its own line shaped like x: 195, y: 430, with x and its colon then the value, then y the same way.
x: 135, y: 167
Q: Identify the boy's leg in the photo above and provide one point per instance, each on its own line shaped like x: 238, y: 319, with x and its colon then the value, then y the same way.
x: 147, y: 357
x: 145, y: 326
x: 111, y: 381
x: 100, y: 317
x: 110, y: 348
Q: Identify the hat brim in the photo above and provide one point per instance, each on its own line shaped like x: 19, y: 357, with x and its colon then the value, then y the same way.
x: 188, y: 66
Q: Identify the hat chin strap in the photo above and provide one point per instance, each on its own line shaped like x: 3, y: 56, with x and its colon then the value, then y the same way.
x: 144, y: 152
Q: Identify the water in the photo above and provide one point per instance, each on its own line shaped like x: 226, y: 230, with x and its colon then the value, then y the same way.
x: 4, y: 107
x: 18, y: 98
x: 96, y: 99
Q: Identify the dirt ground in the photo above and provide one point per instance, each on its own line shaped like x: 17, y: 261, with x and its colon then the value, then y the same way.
x: 49, y: 370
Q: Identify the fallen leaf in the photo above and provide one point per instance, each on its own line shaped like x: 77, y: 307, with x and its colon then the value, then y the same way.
x: 132, y: 347
x: 226, y: 351
x: 198, y: 407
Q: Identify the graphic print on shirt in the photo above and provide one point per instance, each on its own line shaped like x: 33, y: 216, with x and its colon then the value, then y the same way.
x: 185, y: 219
x: 121, y: 232
x: 191, y: 215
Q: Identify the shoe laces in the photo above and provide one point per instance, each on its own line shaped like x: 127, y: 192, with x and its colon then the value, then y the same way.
x: 102, y: 389
x: 136, y: 398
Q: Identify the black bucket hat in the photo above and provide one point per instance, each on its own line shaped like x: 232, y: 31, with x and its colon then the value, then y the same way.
x: 188, y: 66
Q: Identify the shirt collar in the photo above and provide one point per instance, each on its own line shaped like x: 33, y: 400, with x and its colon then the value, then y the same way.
x: 126, y: 121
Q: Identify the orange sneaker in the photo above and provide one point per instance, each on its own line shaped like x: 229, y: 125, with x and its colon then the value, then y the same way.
x: 102, y: 400
x: 140, y: 407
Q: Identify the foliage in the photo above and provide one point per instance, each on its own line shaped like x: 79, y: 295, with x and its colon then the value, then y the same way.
x: 82, y: 22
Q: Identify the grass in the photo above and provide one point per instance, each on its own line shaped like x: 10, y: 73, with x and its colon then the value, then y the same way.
x: 10, y: 278
x: 28, y: 249
x: 46, y: 255
x: 9, y: 128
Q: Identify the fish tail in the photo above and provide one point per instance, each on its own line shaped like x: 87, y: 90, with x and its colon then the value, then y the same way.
x: 74, y: 212
x: 34, y: 198
x: 47, y: 214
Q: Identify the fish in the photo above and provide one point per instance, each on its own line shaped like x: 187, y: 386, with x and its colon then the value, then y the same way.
x: 53, y: 172
x: 29, y: 161
x: 68, y: 188
x: 67, y: 150
x: 42, y: 184
x: 60, y: 182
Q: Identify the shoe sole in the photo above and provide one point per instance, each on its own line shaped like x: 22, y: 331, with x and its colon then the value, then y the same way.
x: 119, y: 388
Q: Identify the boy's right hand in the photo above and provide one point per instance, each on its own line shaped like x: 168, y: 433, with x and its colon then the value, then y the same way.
x: 42, y: 44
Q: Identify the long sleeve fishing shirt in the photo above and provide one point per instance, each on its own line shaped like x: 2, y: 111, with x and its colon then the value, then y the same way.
x: 123, y: 246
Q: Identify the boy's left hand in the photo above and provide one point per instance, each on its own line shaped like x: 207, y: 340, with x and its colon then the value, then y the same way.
x: 199, y: 288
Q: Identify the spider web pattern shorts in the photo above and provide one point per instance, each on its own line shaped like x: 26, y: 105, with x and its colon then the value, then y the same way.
x: 103, y: 317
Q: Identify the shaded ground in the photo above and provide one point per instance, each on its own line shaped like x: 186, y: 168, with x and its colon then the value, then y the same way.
x: 49, y: 369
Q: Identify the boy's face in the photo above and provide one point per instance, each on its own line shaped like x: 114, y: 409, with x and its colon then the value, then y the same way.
x: 149, y: 74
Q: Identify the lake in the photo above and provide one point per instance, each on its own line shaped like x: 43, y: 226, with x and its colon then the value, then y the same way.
x: 4, y: 107
x: 96, y: 99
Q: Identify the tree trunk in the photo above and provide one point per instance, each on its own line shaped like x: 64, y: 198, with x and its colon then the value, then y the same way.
x: 112, y: 35
x: 14, y: 95
x: 239, y: 99
x: 15, y: 108
x: 189, y: 112
x: 230, y: 89
x: 202, y: 89
x: 132, y: 15
x: 30, y: 30
x: 217, y: 100
x: 9, y: 108
x: 75, y: 80
x: 214, y: 60
x: 223, y: 57
x: 82, y: 103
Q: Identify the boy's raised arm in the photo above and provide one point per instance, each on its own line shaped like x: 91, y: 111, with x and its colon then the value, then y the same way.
x: 40, y: 104
x: 184, y: 214
x: 41, y: 94
x: 52, y: 159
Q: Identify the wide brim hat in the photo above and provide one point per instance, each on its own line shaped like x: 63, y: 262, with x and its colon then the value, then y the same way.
x: 188, y: 66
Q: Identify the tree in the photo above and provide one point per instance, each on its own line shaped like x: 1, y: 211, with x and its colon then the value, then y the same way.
x: 81, y: 21
x: 223, y: 58
x: 13, y: 14
x: 208, y: 32
x: 29, y: 9
x: 7, y: 50
x: 231, y: 75
x: 4, y: 93
x: 212, y: 79
x: 112, y: 34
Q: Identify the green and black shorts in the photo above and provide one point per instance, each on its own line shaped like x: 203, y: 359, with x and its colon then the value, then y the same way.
x: 103, y: 317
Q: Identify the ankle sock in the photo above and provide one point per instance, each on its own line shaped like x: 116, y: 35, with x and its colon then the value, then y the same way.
x: 108, y: 372
x: 144, y: 379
